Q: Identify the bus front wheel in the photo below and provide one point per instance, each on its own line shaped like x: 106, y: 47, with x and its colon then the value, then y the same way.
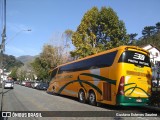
x: 92, y: 98
x: 81, y: 96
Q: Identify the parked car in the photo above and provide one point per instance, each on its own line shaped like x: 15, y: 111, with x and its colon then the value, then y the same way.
x: 35, y: 84
x: 28, y: 84
x: 9, y: 84
x: 23, y: 83
x: 42, y: 86
x: 155, y: 83
x: 17, y: 82
x: 32, y: 84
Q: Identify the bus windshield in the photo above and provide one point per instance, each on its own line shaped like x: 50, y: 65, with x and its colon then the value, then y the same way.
x: 136, y: 58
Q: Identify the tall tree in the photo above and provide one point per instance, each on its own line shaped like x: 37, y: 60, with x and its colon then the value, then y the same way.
x: 148, y: 31
x: 68, y: 35
x: 98, y: 31
x: 51, y: 56
x: 158, y: 27
x: 84, y: 39
x: 40, y: 69
x: 111, y: 30
x: 132, y: 38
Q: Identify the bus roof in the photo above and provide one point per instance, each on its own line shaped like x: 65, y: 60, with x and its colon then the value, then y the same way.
x: 106, y: 51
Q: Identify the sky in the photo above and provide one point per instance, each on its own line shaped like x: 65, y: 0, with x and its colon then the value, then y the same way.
x: 48, y: 19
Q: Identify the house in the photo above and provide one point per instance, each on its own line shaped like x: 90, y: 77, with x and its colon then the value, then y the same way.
x: 154, y: 58
x: 154, y: 53
x: 3, y: 75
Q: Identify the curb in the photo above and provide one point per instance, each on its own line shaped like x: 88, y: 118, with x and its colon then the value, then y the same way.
x: 153, y: 108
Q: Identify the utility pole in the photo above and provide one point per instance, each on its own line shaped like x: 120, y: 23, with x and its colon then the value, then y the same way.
x: 2, y: 46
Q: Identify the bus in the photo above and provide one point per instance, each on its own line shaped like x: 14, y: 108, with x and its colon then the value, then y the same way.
x: 119, y: 76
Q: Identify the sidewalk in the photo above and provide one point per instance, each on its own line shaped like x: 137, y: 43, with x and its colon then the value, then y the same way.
x: 0, y: 96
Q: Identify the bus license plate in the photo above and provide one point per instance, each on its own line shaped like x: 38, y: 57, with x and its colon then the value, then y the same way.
x: 139, y: 100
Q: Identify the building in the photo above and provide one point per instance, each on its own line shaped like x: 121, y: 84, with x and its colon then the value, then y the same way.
x: 154, y: 53
x: 154, y: 57
x: 4, y: 75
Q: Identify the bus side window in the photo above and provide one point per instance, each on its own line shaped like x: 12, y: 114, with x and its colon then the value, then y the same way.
x: 54, y: 72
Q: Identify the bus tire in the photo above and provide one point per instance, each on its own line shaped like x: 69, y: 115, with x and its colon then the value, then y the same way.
x: 92, y: 98
x: 81, y: 96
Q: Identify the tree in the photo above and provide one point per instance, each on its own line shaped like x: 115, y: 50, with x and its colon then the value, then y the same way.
x: 68, y: 35
x: 98, y: 31
x: 25, y: 72
x: 84, y: 39
x: 14, y: 73
x: 51, y: 56
x: 40, y: 69
x: 68, y: 43
x: 21, y: 74
x: 132, y: 38
x: 148, y: 31
x: 151, y: 35
x: 9, y: 62
x: 158, y: 27
x: 111, y: 29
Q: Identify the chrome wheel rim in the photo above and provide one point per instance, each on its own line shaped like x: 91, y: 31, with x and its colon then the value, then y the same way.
x: 81, y: 96
x: 92, y: 97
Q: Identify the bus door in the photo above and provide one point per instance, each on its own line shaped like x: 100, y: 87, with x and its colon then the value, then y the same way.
x: 107, y: 87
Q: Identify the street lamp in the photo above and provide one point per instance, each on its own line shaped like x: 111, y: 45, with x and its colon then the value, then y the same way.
x: 2, y: 48
x: 18, y: 34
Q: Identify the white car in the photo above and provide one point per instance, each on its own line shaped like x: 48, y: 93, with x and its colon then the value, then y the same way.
x: 36, y: 84
x: 8, y: 84
x: 23, y: 83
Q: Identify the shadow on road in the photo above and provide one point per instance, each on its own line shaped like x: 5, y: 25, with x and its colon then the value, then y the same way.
x: 2, y: 94
x: 123, y: 109
x: 4, y: 118
x: 6, y: 91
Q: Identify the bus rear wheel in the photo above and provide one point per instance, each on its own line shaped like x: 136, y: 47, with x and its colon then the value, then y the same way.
x: 81, y: 96
x: 92, y: 98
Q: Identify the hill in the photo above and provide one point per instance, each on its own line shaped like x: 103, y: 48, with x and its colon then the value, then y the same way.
x: 26, y: 58
x: 9, y: 62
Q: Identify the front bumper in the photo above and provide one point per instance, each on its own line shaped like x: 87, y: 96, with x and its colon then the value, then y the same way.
x: 8, y: 86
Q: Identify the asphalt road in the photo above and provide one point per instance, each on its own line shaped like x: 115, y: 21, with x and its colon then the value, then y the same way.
x: 23, y: 99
